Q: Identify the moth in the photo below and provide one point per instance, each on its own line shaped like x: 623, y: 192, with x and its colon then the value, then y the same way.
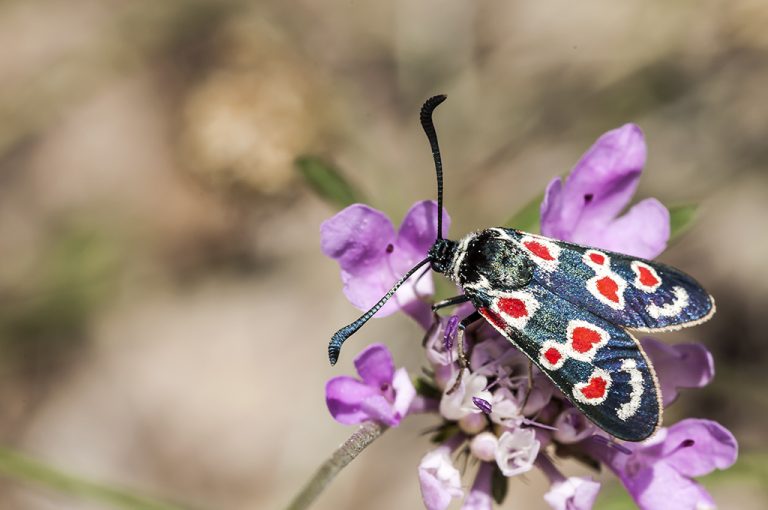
x: 566, y: 307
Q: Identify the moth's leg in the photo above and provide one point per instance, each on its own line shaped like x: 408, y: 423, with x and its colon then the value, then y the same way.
x: 456, y: 300
x: 530, y: 384
x: 463, y: 362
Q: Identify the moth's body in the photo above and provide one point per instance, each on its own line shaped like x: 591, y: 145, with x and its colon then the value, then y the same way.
x: 567, y: 308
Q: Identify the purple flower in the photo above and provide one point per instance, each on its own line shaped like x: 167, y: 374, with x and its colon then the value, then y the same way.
x: 658, y: 473
x: 479, y: 497
x: 439, y: 480
x: 572, y: 426
x: 584, y: 209
x: 573, y: 493
x: 373, y: 257
x: 383, y: 395
x: 459, y: 404
x: 517, y: 451
x: 679, y: 366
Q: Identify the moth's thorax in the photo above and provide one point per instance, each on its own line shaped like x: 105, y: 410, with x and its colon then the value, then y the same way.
x: 490, y: 260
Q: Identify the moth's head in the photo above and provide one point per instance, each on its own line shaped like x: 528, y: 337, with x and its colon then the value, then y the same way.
x: 441, y: 255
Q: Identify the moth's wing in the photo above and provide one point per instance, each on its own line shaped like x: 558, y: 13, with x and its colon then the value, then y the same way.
x: 624, y: 290
x: 598, y: 366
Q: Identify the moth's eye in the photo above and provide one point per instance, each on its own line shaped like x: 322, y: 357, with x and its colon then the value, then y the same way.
x: 588, y: 198
x: 390, y: 248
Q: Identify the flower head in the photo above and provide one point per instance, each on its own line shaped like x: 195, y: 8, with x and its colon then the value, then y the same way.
x: 505, y: 413
x: 584, y: 209
x: 372, y: 257
x: 381, y: 394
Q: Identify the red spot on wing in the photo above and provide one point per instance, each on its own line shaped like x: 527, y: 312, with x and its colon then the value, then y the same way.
x: 584, y: 338
x: 595, y: 388
x: 608, y: 287
x: 646, y: 277
x: 597, y: 258
x: 552, y: 355
x: 513, y: 307
x: 494, y: 319
x: 539, y: 250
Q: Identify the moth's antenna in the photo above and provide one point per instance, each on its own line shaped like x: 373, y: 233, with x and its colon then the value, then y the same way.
x: 334, y: 347
x: 429, y: 128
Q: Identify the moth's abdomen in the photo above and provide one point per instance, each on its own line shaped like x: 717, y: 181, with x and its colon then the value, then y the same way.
x: 492, y: 262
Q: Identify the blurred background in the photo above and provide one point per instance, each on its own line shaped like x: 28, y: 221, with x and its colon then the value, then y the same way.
x: 164, y: 305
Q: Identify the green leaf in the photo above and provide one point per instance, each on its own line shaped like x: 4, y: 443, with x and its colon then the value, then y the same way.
x: 499, y: 485
x: 19, y: 467
x: 426, y: 389
x: 326, y: 180
x: 681, y: 219
x: 527, y: 218
x: 444, y: 433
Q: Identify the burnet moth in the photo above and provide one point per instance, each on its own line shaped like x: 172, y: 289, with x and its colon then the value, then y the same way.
x: 566, y: 307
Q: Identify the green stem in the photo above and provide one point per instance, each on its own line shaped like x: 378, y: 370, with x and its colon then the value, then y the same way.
x: 344, y: 454
x: 22, y: 468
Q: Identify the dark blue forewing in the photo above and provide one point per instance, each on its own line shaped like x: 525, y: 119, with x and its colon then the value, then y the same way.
x: 623, y: 290
x: 598, y: 366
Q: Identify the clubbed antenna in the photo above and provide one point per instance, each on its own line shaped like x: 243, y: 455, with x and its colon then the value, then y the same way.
x: 334, y: 347
x: 429, y: 128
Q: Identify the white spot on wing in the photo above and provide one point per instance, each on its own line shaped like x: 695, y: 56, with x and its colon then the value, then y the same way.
x: 629, y: 409
x: 678, y: 304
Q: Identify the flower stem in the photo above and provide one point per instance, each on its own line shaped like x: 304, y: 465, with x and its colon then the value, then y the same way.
x: 344, y: 454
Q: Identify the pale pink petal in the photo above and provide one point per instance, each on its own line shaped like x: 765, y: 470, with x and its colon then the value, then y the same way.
x: 574, y: 493
x: 439, y: 480
x: 405, y: 393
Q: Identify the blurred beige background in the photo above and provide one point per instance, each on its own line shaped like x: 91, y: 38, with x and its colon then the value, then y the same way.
x: 165, y: 306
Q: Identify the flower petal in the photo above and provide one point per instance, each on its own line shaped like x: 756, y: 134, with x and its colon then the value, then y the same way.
x: 483, y: 446
x: 458, y: 404
x: 375, y: 366
x: 574, y: 493
x: 661, y: 486
x: 517, y: 451
x: 572, y: 426
x: 679, y: 366
x: 642, y: 232
x: 405, y: 393
x: 365, y: 290
x: 552, y: 224
x: 599, y: 186
x: 479, y: 497
x: 439, y: 480
x: 417, y: 234
x: 345, y: 396
x: 357, y: 237
x: 378, y: 408
x: 696, y: 447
